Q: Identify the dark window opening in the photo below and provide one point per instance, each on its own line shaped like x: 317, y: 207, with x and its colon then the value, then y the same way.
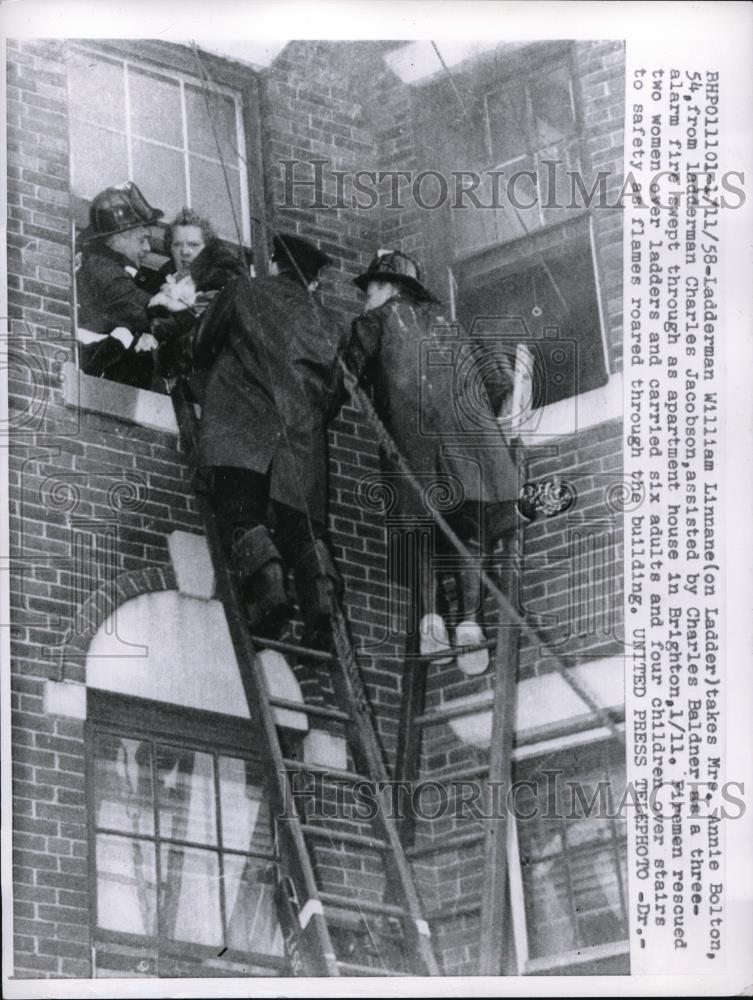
x: 545, y: 300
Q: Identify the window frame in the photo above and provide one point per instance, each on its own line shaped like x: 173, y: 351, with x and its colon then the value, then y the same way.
x: 567, y: 417
x: 103, y: 396
x: 131, y: 61
x: 138, y: 718
x: 480, y: 264
x: 533, y: 150
x: 547, y: 749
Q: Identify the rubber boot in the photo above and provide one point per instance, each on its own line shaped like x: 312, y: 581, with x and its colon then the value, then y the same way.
x: 259, y: 567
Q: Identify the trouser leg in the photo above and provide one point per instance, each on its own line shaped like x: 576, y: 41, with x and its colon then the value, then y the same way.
x: 240, y: 499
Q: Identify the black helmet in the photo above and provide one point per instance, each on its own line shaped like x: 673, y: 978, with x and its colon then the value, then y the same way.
x: 398, y: 268
x: 293, y: 253
x: 116, y: 210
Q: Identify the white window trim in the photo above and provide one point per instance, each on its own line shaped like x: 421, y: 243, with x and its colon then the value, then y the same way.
x: 182, y: 79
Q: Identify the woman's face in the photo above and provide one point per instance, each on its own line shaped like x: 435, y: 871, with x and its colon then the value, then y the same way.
x: 186, y: 245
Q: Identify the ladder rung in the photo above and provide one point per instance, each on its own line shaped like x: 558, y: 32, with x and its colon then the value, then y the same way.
x: 354, y: 903
x: 454, y: 651
x: 357, y: 839
x: 448, y: 912
x: 329, y: 772
x: 291, y: 647
x: 318, y: 711
x: 454, y: 711
x: 353, y: 969
x: 449, y: 843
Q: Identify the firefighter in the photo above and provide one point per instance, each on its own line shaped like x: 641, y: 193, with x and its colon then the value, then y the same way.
x: 114, y: 321
x: 270, y: 349
x: 441, y: 415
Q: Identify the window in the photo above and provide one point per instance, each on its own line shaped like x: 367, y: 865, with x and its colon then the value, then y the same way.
x: 519, y: 252
x: 181, y: 845
x: 540, y: 293
x: 180, y: 139
x: 168, y: 132
x: 572, y: 858
x: 525, y: 126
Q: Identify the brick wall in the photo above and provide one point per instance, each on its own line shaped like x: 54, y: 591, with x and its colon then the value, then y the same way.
x: 111, y: 491
x: 49, y: 838
x: 572, y: 563
x: 90, y: 498
x: 315, y: 106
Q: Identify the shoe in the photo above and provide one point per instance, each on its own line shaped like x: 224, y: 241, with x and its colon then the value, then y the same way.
x: 433, y: 637
x: 469, y: 633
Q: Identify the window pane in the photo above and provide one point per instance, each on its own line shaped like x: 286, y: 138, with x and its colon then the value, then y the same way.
x: 552, y: 106
x: 160, y: 176
x: 123, y: 784
x: 574, y: 870
x: 507, y: 115
x: 598, y: 900
x: 185, y: 795
x: 475, y: 228
x: 249, y: 902
x: 202, y: 128
x: 155, y: 107
x: 209, y: 196
x: 556, y: 185
x: 97, y: 90
x: 190, y: 895
x: 245, y: 813
x: 126, y: 885
x: 98, y: 158
x: 551, y: 923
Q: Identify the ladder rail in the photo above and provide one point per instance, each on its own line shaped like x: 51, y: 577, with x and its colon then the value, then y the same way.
x: 495, y: 893
x: 318, y: 952
x: 367, y: 754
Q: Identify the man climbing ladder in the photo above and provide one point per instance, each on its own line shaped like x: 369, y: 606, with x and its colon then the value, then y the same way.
x: 268, y: 346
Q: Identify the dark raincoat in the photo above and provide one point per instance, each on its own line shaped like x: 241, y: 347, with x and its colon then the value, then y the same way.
x: 109, y: 296
x: 436, y: 392
x: 271, y: 351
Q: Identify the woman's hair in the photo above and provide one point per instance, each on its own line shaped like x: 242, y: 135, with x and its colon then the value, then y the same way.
x: 187, y: 217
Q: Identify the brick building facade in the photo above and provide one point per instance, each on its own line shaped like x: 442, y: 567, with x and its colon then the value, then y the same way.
x: 104, y: 521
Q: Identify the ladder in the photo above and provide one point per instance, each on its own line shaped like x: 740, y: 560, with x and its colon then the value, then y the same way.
x: 414, y: 720
x: 509, y: 625
x: 306, y: 912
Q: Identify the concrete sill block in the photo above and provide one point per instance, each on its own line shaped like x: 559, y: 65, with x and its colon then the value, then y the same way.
x: 122, y: 402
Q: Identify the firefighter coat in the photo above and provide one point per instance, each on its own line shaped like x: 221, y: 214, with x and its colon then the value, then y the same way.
x: 109, y: 296
x: 437, y: 393
x: 271, y: 351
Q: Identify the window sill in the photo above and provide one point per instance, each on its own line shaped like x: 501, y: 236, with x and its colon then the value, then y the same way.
x: 554, y: 964
x: 569, y: 417
x: 121, y: 402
